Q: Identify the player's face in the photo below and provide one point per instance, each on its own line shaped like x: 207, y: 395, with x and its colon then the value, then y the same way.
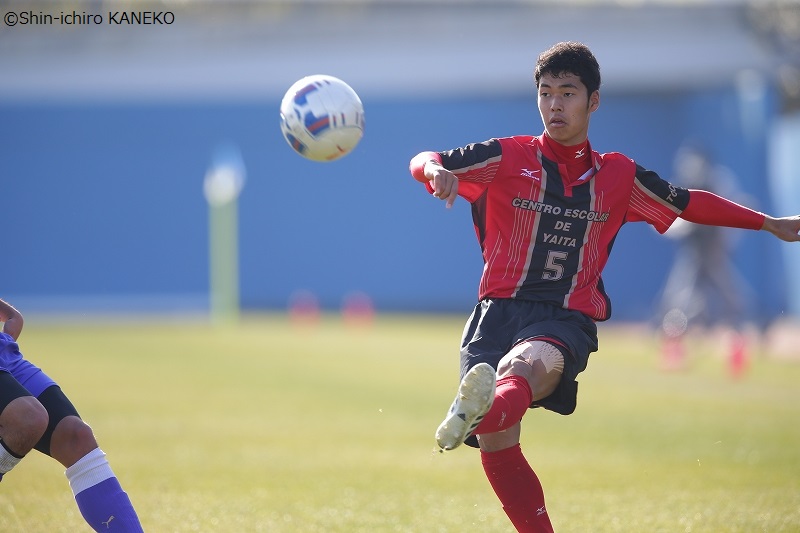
x: 566, y: 107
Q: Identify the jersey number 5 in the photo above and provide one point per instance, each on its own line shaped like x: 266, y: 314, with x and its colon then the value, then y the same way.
x: 553, y: 269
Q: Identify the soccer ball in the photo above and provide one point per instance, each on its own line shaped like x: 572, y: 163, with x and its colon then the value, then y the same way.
x: 322, y: 118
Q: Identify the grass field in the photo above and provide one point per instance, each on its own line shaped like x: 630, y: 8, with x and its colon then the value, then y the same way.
x: 270, y: 427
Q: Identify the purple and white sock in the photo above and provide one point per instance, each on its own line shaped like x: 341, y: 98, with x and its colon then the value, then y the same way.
x: 101, y: 500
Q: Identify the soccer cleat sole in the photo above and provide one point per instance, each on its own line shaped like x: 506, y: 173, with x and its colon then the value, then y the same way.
x: 474, y: 399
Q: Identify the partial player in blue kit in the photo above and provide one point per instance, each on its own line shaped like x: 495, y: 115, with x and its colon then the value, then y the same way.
x: 36, y: 414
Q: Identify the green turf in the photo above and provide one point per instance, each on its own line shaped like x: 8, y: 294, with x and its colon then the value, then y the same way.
x: 271, y: 427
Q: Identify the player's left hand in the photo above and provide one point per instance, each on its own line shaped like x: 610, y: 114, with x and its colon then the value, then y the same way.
x: 785, y: 228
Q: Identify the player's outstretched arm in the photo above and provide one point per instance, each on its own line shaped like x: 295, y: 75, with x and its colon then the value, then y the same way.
x: 785, y: 228
x: 708, y: 208
x: 12, y: 319
x: 426, y: 167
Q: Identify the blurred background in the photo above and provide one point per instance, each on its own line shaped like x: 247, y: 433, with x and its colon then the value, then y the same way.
x: 108, y: 130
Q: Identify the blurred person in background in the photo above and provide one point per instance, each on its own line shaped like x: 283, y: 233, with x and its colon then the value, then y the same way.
x: 704, y: 288
x: 36, y: 414
x: 546, y: 211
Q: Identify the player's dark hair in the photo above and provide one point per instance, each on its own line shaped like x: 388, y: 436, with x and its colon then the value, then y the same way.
x: 569, y: 57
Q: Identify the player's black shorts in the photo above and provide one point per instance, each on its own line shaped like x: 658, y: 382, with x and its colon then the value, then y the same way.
x: 496, y: 325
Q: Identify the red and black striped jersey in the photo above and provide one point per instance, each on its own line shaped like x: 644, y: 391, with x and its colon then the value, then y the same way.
x: 545, y: 238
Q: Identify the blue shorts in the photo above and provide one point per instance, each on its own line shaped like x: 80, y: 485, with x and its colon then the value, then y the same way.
x: 497, y: 325
x: 26, y: 373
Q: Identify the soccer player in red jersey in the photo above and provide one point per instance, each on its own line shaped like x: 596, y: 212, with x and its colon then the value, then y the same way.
x: 36, y: 414
x: 546, y: 211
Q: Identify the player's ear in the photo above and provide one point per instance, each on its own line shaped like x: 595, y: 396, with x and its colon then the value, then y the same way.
x: 594, y: 101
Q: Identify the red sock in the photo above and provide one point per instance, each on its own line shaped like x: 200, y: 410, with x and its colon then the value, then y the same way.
x: 518, y: 489
x: 511, y: 401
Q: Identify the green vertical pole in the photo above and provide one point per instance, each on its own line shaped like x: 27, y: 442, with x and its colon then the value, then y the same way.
x: 222, y: 185
x: 224, y: 262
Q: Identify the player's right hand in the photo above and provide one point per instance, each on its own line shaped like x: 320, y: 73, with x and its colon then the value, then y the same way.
x: 443, y: 182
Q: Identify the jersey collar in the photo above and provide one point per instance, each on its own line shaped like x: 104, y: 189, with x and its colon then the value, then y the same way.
x: 548, y: 148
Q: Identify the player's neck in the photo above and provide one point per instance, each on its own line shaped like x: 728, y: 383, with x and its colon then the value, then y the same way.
x: 569, y: 155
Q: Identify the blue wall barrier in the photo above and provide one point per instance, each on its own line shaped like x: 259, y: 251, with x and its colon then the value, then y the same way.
x: 106, y: 199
